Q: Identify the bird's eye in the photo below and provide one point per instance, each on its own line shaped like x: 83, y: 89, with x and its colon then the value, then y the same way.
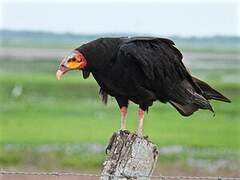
x: 73, y: 63
x: 72, y: 60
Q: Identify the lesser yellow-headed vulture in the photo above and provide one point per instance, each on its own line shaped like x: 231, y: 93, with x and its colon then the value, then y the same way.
x: 142, y: 70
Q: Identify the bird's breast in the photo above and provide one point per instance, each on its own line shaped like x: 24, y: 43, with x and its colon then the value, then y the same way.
x: 115, y: 82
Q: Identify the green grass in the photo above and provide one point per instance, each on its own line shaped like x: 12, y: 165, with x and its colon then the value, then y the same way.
x: 69, y: 112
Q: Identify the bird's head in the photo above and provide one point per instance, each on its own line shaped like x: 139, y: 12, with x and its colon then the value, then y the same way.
x: 74, y: 61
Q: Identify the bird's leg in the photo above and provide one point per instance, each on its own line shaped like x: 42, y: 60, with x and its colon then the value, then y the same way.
x: 140, y: 122
x: 123, y: 111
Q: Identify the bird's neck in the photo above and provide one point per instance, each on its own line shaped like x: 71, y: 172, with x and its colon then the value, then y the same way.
x: 100, y: 53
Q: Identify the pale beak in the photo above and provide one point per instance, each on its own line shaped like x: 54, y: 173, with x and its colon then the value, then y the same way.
x: 62, y: 70
x: 59, y: 74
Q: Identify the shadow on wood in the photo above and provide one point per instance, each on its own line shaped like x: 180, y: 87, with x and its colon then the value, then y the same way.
x: 129, y: 157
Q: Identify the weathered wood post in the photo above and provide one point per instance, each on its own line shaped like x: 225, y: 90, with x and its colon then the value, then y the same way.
x: 129, y: 157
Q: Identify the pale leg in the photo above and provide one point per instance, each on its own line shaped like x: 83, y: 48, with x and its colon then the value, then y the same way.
x: 140, y: 122
x: 123, y: 111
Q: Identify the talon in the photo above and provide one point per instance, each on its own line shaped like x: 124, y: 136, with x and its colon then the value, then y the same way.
x: 121, y: 131
x: 127, y: 131
x: 145, y: 137
x: 124, y: 131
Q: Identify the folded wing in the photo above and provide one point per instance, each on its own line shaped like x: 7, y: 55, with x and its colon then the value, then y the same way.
x: 162, y: 65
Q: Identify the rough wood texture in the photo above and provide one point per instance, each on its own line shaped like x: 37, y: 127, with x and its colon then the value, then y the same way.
x: 129, y: 157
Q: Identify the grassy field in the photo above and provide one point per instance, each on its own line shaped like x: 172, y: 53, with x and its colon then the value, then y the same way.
x: 36, y: 110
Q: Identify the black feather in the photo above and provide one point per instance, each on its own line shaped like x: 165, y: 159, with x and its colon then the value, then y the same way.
x: 143, y: 70
x: 103, y: 95
x: 209, y: 92
x: 85, y: 74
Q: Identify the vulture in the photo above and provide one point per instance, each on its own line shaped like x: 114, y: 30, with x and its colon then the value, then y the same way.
x: 141, y: 70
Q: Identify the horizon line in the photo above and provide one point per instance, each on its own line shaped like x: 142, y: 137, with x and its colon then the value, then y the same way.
x: 116, y: 33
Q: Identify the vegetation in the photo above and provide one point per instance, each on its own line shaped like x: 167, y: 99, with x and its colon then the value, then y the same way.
x: 37, y: 111
x: 50, y: 124
x: 67, y: 111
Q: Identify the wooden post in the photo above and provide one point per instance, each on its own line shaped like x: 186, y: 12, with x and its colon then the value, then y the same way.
x: 129, y: 157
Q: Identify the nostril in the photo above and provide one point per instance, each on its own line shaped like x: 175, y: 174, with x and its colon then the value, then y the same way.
x: 62, y: 67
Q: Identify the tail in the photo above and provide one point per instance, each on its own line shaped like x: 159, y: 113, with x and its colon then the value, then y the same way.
x: 198, y: 102
x: 186, y: 100
x: 209, y: 92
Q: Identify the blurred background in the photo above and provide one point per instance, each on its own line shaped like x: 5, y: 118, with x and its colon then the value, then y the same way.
x: 50, y: 125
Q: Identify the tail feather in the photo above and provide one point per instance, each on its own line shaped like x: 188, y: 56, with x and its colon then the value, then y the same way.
x: 185, y: 110
x: 198, y: 102
x: 186, y: 100
x: 209, y: 92
x: 202, y: 103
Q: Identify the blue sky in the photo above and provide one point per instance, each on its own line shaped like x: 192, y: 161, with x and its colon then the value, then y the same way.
x: 201, y: 18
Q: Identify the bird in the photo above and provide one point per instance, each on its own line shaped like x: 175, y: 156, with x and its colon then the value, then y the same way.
x: 141, y: 70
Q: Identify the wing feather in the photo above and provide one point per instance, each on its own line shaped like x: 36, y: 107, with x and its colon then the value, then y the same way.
x: 155, y: 56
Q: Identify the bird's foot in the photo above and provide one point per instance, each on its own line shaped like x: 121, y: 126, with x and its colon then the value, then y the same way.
x: 124, y: 131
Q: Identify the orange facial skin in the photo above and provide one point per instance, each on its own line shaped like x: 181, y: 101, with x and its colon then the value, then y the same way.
x: 75, y: 61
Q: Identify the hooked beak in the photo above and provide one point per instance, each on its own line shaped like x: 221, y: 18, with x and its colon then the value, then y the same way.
x: 62, y: 70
